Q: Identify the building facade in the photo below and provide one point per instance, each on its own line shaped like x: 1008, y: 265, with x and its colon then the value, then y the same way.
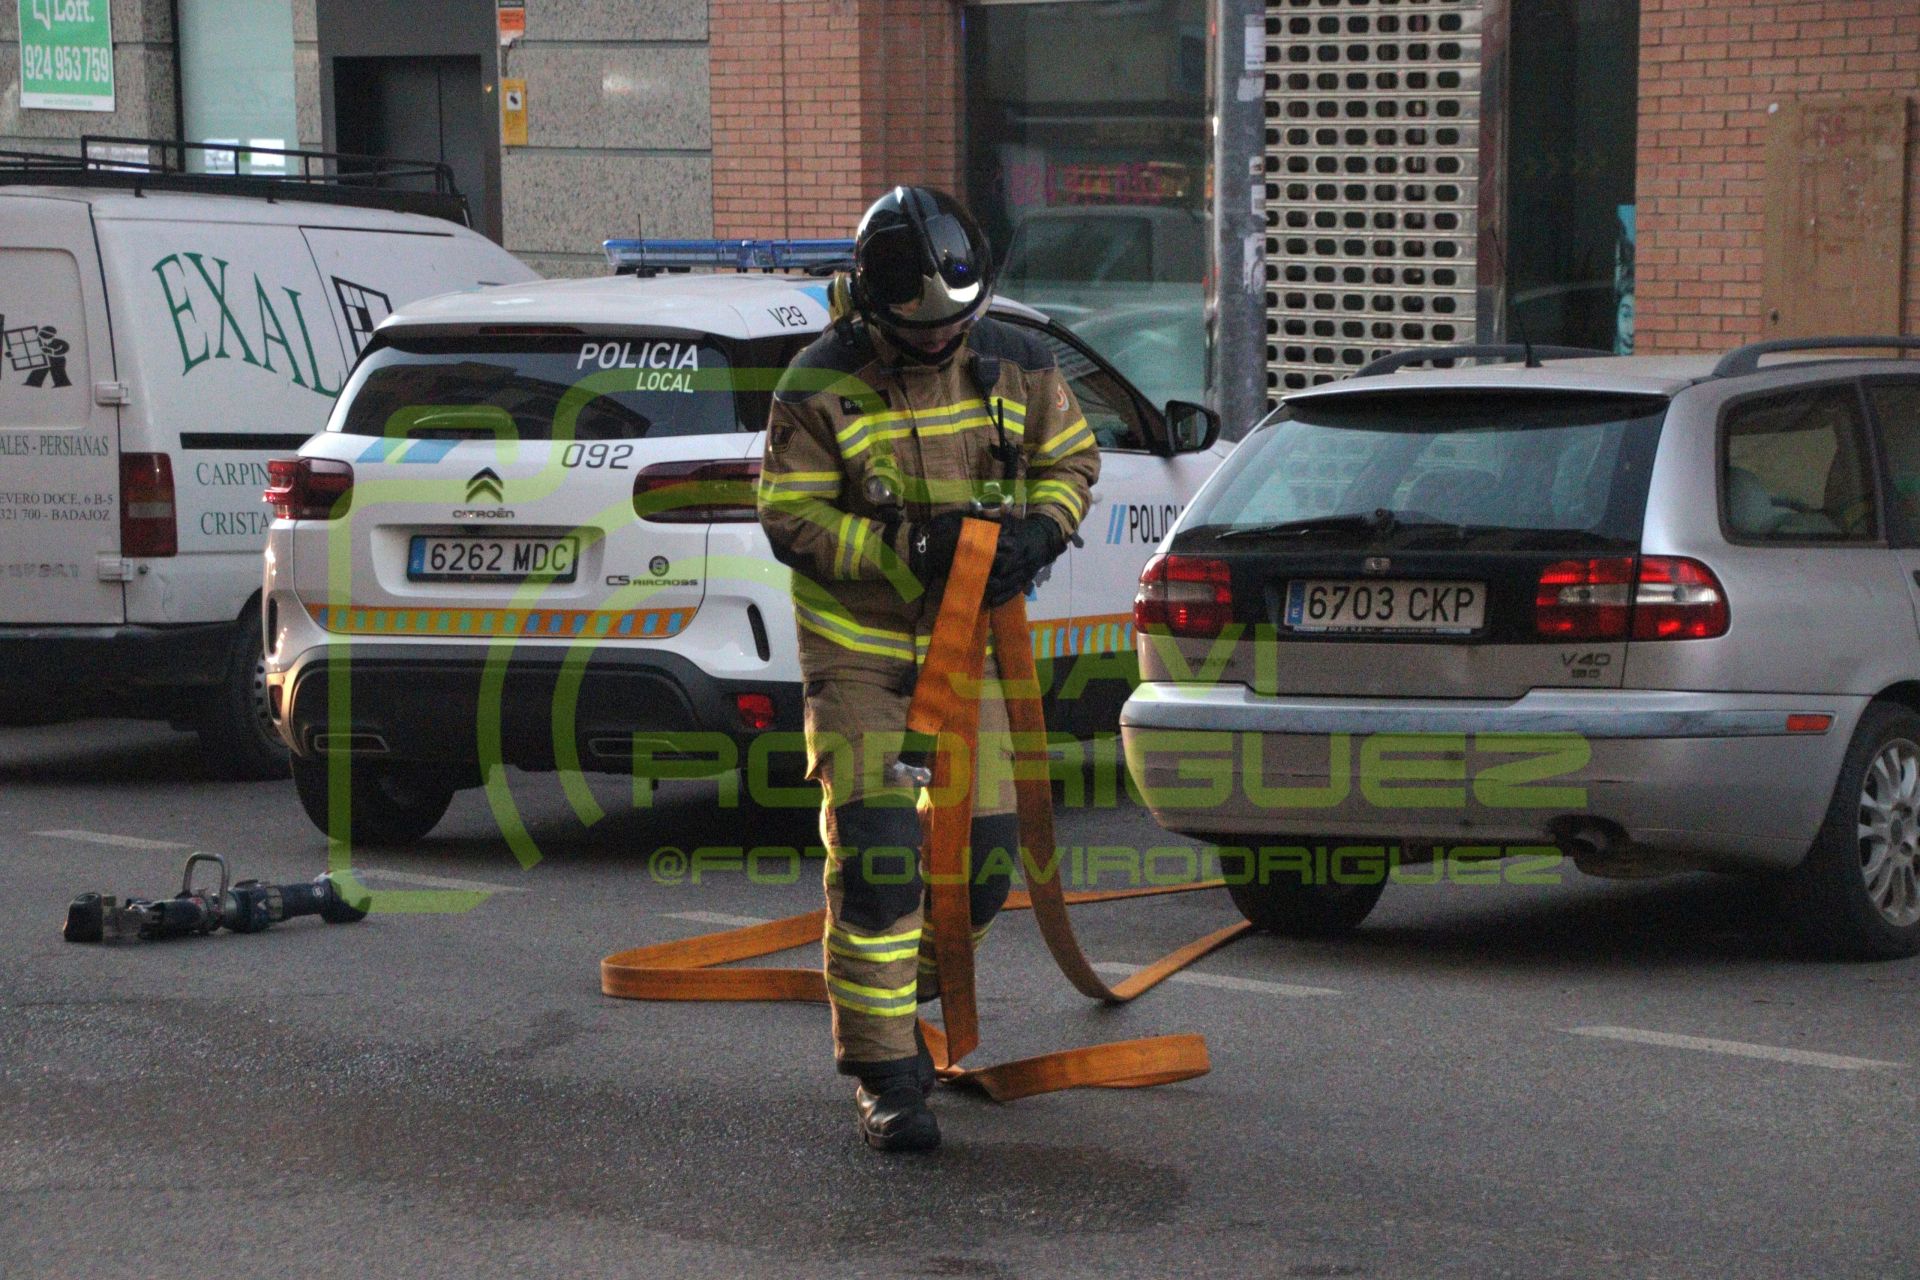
x: 1621, y: 174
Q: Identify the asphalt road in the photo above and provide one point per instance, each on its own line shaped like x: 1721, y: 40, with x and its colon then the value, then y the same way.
x: 1580, y: 1079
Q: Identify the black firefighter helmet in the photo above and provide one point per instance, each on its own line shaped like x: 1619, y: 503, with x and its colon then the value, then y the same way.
x: 921, y: 263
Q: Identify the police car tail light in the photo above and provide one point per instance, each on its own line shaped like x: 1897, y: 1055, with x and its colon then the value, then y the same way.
x: 147, y: 525
x: 1184, y: 596
x: 697, y: 492
x: 309, y: 488
x: 755, y: 710
x: 1678, y: 599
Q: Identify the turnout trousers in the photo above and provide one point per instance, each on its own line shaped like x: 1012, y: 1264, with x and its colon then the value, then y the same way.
x: 879, y: 962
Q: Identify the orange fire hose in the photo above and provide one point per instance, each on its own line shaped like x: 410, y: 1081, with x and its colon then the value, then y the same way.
x: 946, y: 706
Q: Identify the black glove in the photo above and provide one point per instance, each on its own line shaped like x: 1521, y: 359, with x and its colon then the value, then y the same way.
x: 931, y: 544
x: 1026, y: 547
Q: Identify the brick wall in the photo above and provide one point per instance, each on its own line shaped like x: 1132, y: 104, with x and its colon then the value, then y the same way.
x: 820, y: 104
x: 1709, y: 69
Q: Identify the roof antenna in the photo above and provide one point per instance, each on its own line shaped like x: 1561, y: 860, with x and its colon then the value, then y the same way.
x: 1500, y: 261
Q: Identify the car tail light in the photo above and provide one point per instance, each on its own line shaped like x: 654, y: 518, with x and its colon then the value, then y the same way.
x: 1654, y: 598
x: 755, y: 710
x: 1184, y: 596
x: 309, y: 488
x: 1678, y: 599
x: 696, y: 491
x: 1584, y: 599
x: 147, y: 525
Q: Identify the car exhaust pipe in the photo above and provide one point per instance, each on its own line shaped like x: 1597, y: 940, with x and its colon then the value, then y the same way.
x: 1589, y: 839
x: 1603, y: 849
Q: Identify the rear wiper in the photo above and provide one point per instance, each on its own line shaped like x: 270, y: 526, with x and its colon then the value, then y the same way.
x: 1379, y: 520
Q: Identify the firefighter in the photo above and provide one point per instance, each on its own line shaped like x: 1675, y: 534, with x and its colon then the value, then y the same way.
x: 910, y: 413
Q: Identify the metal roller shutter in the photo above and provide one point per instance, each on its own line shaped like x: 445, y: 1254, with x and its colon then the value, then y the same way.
x: 1372, y: 181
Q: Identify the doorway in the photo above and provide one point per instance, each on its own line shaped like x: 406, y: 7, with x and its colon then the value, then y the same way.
x: 418, y: 108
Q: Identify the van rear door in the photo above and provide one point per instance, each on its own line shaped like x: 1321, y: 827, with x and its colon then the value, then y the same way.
x: 369, y: 272
x: 59, y: 449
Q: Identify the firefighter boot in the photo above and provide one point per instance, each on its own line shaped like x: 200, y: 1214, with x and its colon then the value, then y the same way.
x: 894, y: 1115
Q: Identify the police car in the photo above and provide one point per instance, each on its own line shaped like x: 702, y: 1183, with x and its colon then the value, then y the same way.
x: 528, y: 536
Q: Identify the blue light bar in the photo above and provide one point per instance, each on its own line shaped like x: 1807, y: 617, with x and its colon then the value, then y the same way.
x: 644, y: 257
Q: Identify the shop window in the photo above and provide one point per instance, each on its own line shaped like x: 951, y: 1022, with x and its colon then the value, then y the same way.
x: 1086, y: 156
x: 236, y: 83
x: 1574, y: 92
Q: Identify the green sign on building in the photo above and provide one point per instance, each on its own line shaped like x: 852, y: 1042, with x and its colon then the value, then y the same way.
x: 66, y: 55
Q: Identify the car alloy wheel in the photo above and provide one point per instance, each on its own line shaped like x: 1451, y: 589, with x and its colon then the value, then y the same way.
x: 1890, y: 832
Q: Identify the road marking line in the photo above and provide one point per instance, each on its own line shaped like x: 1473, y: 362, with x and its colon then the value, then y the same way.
x: 1223, y: 982
x: 1736, y: 1048
x: 433, y: 882
x: 716, y: 917
x: 118, y: 842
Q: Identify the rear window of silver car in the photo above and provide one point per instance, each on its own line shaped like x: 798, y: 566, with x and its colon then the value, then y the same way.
x: 1483, y: 462
x: 579, y: 388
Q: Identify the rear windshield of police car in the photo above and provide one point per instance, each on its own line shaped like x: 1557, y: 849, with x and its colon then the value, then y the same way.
x: 1486, y: 468
x: 544, y: 388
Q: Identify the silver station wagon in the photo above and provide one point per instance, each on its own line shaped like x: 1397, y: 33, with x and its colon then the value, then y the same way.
x: 1652, y: 613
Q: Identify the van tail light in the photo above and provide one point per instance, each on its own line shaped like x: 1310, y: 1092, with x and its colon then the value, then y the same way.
x: 1184, y: 596
x: 309, y: 488
x: 697, y: 491
x: 1612, y: 598
x: 1678, y: 599
x: 147, y: 526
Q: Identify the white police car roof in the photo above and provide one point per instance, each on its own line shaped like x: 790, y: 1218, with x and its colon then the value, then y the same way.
x: 727, y: 305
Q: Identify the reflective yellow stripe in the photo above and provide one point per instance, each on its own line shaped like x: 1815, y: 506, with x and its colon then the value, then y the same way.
x: 842, y: 541
x: 926, y: 963
x: 857, y: 545
x: 871, y: 939
x: 878, y: 957
x: 848, y: 634
x: 863, y: 432
x: 791, y: 485
x: 852, y: 435
x: 533, y: 624
x: 881, y: 1002
x: 1077, y: 436
x: 1063, y: 492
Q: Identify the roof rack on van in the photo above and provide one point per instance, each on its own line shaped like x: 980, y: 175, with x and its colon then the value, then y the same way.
x: 1496, y: 352
x: 1747, y: 359
x: 647, y: 258
x: 272, y: 173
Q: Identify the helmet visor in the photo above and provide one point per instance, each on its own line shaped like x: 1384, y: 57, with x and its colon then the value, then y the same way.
x: 920, y: 286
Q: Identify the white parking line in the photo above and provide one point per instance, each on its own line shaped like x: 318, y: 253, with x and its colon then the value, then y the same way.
x: 1222, y: 981
x: 1736, y: 1048
x: 715, y: 917
x: 434, y: 882
x: 108, y: 838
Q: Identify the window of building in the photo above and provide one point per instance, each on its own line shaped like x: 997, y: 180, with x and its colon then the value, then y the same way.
x: 1572, y: 118
x: 236, y: 83
x: 1088, y: 173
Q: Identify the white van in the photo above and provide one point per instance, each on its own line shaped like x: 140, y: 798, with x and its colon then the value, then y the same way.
x: 161, y: 336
